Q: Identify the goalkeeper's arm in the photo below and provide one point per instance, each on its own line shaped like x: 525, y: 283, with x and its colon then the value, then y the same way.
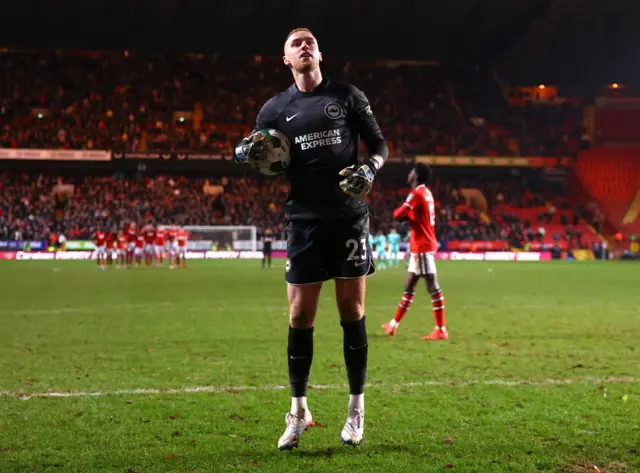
x: 372, y: 137
x: 359, y: 178
x: 369, y: 130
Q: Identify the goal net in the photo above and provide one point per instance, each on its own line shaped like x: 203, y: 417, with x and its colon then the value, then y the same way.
x: 222, y: 238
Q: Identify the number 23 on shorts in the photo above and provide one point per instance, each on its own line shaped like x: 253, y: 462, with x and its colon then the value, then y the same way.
x: 357, y: 250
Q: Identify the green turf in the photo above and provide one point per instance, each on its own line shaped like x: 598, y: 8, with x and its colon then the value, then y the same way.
x: 66, y: 327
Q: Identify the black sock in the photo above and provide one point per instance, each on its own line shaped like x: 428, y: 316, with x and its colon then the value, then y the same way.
x: 356, y: 350
x: 300, y: 355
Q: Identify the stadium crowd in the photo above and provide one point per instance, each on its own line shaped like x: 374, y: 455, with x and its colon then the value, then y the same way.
x: 42, y: 208
x: 134, y: 102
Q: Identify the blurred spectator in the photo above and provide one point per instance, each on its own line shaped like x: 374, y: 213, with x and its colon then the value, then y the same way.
x: 44, y: 208
x: 135, y: 102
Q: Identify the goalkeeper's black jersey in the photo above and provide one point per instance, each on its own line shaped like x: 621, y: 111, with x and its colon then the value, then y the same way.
x: 324, y: 128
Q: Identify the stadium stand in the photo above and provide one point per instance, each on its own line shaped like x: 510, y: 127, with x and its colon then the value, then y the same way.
x: 135, y: 102
x: 140, y: 103
x: 35, y: 207
x: 611, y: 177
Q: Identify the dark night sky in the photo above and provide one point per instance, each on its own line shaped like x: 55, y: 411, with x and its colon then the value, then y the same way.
x: 529, y: 40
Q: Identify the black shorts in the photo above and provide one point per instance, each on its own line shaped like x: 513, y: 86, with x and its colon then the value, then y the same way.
x: 319, y: 250
x: 266, y: 248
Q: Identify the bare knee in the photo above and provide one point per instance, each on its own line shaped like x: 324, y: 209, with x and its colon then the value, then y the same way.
x: 303, y: 304
x: 350, y: 295
x: 431, y: 280
x: 351, y: 311
x: 410, y: 282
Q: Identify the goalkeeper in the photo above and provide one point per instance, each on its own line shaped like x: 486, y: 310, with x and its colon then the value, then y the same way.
x: 328, y: 219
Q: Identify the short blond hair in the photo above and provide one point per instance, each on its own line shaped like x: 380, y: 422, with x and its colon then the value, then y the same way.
x: 297, y: 30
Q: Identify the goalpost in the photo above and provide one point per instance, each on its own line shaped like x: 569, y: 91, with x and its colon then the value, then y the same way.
x: 222, y: 238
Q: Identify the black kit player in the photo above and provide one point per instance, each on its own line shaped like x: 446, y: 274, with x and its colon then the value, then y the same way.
x: 328, y: 220
x: 267, y: 248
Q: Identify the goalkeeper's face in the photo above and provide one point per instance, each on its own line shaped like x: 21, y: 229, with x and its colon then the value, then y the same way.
x: 301, y: 52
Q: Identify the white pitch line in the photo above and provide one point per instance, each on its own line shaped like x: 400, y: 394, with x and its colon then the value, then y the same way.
x: 162, y: 307
x: 232, y: 306
x: 274, y: 387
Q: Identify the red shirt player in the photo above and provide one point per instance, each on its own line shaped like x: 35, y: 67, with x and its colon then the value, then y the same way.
x: 181, y: 239
x: 172, y: 233
x: 111, y: 241
x: 149, y: 237
x: 122, y: 248
x: 172, y: 246
x: 160, y: 242
x: 100, y: 238
x: 132, y: 237
x: 111, y: 245
x: 149, y: 234
x: 140, y: 243
x: 139, y: 249
x: 160, y: 239
x: 122, y: 242
x: 419, y: 209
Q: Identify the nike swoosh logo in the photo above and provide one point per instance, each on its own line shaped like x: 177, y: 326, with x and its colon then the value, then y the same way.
x: 292, y: 117
x: 298, y: 357
x: 357, y: 348
x: 360, y: 263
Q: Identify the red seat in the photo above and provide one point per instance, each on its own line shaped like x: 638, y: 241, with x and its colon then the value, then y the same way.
x: 611, y: 176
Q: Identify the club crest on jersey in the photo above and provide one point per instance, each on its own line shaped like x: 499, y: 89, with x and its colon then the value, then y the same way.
x: 334, y: 110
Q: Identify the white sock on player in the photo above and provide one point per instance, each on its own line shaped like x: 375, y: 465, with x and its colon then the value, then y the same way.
x: 353, y: 430
x: 299, y: 406
x: 356, y: 403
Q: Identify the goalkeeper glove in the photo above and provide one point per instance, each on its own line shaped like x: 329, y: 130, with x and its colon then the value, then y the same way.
x: 253, y: 148
x: 359, y: 179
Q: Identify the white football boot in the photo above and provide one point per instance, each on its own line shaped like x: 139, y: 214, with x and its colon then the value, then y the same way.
x: 295, y: 426
x: 353, y: 431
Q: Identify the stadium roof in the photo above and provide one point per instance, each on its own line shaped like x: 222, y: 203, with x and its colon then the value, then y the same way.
x: 531, y: 40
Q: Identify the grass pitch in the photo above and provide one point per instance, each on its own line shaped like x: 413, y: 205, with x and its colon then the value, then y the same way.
x: 541, y: 373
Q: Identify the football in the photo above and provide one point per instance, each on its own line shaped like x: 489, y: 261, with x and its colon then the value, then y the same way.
x: 277, y: 157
